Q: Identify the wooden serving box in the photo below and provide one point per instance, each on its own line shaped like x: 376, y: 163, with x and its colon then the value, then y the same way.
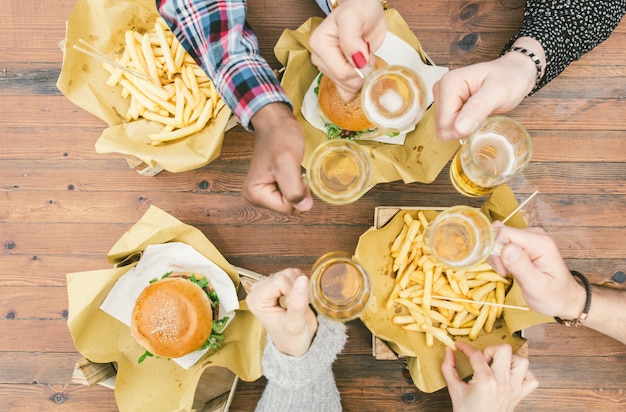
x: 382, y: 215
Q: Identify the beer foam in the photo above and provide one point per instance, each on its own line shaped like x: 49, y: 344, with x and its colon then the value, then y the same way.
x: 391, y: 101
x: 494, y: 153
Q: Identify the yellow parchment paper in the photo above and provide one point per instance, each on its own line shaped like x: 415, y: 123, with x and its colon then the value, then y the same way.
x: 422, y: 156
x: 102, y: 23
x: 157, y: 384
x: 424, y: 363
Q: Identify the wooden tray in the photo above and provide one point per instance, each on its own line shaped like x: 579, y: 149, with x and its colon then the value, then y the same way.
x: 382, y: 215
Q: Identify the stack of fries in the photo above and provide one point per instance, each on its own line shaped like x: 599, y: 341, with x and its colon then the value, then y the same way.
x: 164, y: 84
x: 440, y: 301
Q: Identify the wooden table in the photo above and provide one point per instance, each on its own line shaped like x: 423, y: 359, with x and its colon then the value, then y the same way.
x: 62, y: 206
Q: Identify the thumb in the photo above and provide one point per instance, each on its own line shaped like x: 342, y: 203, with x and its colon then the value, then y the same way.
x: 448, y: 368
x: 298, y: 298
x: 476, y: 109
x: 291, y: 184
x: 518, y: 264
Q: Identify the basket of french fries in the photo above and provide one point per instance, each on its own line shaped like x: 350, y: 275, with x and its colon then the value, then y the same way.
x: 420, y: 306
x: 124, y: 65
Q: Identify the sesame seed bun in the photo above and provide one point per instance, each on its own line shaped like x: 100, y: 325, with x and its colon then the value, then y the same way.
x: 172, y: 317
x: 347, y: 116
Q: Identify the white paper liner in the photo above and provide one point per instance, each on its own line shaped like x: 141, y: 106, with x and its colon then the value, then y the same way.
x: 156, y: 261
x: 394, y: 50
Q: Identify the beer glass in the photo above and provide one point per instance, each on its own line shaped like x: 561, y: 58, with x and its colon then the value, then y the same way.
x: 460, y: 237
x: 339, y: 171
x: 497, y: 151
x: 394, y: 98
x: 340, y: 288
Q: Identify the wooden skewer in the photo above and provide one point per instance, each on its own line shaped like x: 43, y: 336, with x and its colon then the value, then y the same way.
x: 249, y: 273
x: 481, y: 303
x: 517, y: 209
x: 282, y: 301
x: 97, y: 54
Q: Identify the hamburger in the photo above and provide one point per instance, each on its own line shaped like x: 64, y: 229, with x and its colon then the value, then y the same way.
x: 343, y: 120
x: 176, y: 315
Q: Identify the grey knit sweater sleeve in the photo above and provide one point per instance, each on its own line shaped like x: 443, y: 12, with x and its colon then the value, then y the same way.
x: 305, y: 383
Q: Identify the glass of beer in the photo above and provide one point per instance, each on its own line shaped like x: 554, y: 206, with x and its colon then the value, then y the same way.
x: 339, y: 171
x: 340, y: 288
x: 460, y: 237
x: 394, y: 98
x: 497, y: 151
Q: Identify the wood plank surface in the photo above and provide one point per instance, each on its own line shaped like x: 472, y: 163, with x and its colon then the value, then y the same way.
x: 62, y: 207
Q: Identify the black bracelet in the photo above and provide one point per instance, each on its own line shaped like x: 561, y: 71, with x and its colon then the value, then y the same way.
x: 535, y: 60
x: 583, y: 316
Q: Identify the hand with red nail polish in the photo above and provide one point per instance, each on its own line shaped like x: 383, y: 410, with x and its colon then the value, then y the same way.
x: 346, y: 40
x: 359, y: 60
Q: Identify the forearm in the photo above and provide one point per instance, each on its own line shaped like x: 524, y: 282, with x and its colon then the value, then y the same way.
x: 607, y: 313
x: 217, y: 36
x: 305, y: 382
x: 568, y: 30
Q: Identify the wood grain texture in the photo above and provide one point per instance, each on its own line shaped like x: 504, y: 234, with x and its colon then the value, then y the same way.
x: 62, y: 207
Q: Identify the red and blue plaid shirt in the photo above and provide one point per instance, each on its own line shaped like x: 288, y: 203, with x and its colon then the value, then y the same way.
x: 217, y: 36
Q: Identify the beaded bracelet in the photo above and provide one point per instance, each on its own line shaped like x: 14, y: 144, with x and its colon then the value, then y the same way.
x: 535, y: 60
x: 583, y: 316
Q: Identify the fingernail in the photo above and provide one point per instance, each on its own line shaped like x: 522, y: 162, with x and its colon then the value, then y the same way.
x: 465, y: 126
x: 359, y: 60
x: 509, y: 255
x: 301, y: 285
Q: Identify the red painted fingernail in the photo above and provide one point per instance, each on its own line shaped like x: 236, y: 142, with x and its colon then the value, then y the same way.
x: 359, y: 60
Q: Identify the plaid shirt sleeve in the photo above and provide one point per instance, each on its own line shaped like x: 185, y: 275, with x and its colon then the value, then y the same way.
x: 216, y: 34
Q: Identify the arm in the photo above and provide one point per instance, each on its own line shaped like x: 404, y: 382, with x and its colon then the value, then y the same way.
x: 548, y: 286
x: 567, y: 31
x: 216, y: 34
x: 501, y: 379
x: 300, y: 349
x: 557, y: 33
x: 305, y: 382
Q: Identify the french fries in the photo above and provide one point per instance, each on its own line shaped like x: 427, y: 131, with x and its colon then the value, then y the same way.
x: 174, y: 91
x: 423, y: 285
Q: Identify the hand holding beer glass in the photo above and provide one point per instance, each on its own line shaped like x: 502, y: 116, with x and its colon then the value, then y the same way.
x: 496, y: 152
x: 340, y: 288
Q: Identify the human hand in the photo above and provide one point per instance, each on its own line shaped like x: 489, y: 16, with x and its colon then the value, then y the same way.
x: 274, y: 180
x: 291, y: 329
x: 348, y: 38
x: 501, y: 379
x: 533, y: 258
x: 465, y: 97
